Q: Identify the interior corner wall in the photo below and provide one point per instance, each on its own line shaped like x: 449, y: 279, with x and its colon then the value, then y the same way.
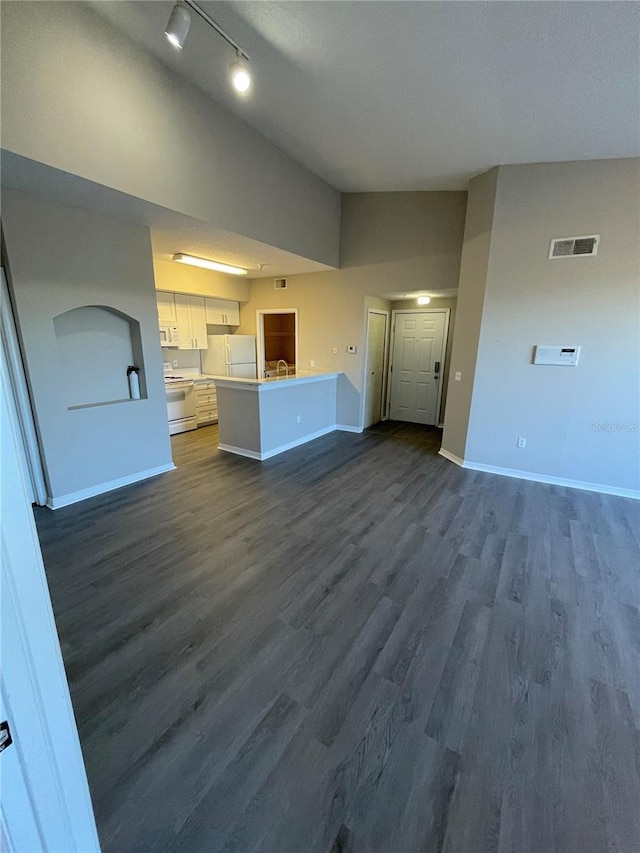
x: 581, y: 423
x: 60, y: 258
x: 392, y: 242
x: 474, y: 265
x: 81, y: 96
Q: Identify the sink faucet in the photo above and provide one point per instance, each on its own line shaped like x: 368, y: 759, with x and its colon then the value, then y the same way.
x: 286, y: 366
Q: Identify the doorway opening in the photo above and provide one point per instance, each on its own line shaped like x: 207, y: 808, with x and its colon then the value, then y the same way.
x: 416, y: 369
x: 277, y: 344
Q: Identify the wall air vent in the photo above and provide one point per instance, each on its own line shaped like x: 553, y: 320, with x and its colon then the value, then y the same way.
x: 574, y: 247
x: 280, y: 283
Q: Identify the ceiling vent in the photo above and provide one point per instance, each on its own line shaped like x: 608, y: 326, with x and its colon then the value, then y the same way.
x: 574, y: 247
x: 280, y: 283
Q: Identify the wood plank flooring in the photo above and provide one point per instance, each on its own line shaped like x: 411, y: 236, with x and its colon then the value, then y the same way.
x: 355, y: 647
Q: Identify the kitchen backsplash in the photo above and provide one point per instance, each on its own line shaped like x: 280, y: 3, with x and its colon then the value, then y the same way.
x: 184, y: 357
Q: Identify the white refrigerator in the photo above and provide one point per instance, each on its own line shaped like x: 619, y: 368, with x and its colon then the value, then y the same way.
x: 230, y: 355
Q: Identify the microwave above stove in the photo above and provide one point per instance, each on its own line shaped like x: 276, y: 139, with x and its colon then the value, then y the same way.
x: 169, y: 336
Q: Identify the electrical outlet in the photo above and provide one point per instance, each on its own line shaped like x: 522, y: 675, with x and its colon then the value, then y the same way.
x: 335, y: 351
x: 298, y: 419
x: 312, y: 363
x: 522, y: 441
x: 351, y: 349
x: 458, y: 375
x: 175, y: 362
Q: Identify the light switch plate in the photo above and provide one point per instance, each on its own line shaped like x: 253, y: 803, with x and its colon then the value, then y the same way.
x: 335, y: 351
x: 458, y: 375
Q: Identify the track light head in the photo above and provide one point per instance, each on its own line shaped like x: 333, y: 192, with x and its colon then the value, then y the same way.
x: 178, y: 26
x: 240, y: 75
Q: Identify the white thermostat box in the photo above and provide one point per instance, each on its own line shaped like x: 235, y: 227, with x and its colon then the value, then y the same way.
x: 567, y: 356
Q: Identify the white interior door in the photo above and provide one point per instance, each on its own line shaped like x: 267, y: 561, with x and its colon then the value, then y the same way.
x: 418, y: 353
x: 45, y: 799
x: 374, y: 367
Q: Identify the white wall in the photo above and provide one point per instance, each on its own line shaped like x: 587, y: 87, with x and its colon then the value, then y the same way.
x: 581, y: 424
x: 60, y: 258
x: 78, y: 95
x: 390, y: 242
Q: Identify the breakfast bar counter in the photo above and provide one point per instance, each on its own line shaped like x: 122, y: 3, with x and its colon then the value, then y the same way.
x: 260, y: 418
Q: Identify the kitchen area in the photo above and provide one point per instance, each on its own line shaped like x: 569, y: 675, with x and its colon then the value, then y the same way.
x: 191, y: 355
x: 209, y: 368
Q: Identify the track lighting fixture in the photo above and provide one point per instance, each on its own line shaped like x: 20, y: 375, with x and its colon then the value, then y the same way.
x: 240, y: 76
x: 178, y: 27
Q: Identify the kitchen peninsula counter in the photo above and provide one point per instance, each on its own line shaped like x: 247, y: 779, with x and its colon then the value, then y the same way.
x: 260, y: 418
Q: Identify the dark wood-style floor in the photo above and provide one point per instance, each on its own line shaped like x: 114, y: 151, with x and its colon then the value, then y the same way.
x: 355, y: 646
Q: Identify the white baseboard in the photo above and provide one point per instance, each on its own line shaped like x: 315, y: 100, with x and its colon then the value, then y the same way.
x: 347, y: 428
x: 542, y: 478
x: 253, y: 454
x: 240, y: 451
x: 451, y: 457
x: 101, y: 488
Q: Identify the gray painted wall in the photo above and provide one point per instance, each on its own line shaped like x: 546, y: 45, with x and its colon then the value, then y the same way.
x: 79, y: 96
x: 391, y: 242
x: 315, y: 402
x: 580, y: 423
x: 473, y: 276
x: 61, y: 258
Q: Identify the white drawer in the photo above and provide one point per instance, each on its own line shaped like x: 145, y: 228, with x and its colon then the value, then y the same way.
x: 209, y: 402
x: 210, y: 416
x: 205, y: 387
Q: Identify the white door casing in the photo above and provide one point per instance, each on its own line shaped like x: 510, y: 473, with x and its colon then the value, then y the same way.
x: 375, y: 359
x: 260, y: 359
x: 45, y: 802
x: 417, y: 365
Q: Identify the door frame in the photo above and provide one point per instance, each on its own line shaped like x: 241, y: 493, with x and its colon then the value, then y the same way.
x: 260, y: 335
x: 445, y: 339
x: 385, y: 366
x: 48, y: 794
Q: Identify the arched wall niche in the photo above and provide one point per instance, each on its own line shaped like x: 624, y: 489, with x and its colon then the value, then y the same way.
x: 96, y: 344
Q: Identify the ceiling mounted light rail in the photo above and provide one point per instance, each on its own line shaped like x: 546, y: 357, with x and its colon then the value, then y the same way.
x: 178, y: 27
x: 205, y: 263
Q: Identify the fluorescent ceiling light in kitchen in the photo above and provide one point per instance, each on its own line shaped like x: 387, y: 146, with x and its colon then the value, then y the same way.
x: 206, y: 264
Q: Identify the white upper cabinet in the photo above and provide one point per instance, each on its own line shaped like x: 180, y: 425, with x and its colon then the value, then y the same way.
x: 222, y: 312
x: 166, y: 308
x: 191, y: 321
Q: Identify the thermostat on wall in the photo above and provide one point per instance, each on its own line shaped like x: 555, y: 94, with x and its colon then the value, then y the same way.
x: 567, y: 356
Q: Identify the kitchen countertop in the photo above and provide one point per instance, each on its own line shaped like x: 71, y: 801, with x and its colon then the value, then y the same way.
x: 300, y: 378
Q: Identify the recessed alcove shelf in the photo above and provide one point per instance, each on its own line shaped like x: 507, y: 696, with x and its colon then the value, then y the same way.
x: 96, y: 344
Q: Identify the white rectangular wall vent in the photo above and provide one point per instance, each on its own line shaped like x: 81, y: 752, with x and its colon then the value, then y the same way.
x: 280, y: 283
x: 574, y: 247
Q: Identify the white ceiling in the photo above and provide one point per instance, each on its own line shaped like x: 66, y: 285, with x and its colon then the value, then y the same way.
x: 417, y: 95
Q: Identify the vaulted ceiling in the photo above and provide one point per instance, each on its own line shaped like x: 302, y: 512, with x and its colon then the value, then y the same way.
x: 417, y: 95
